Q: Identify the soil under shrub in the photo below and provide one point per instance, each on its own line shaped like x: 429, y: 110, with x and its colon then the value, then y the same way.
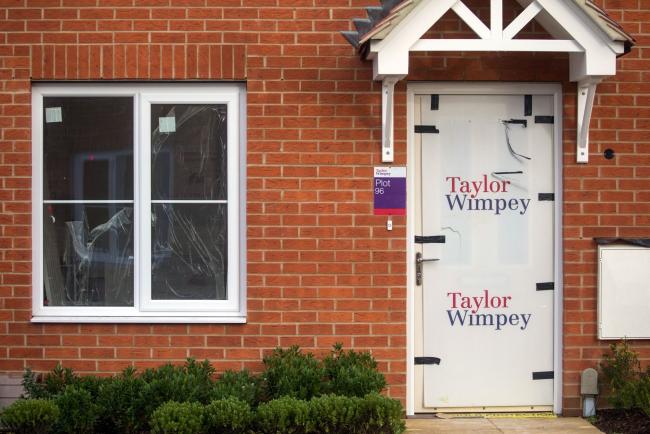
x: 622, y: 421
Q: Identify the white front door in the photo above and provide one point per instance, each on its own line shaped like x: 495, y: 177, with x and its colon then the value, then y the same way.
x: 485, y: 231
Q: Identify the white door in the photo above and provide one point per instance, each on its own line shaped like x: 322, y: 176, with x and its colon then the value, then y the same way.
x: 486, y: 226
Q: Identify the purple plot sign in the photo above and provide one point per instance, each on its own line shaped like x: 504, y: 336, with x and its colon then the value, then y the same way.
x: 389, y: 187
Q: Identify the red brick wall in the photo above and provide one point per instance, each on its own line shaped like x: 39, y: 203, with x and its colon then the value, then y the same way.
x: 321, y: 268
x: 609, y: 198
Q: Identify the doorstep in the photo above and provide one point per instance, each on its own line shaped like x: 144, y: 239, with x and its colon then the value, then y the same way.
x: 480, y: 425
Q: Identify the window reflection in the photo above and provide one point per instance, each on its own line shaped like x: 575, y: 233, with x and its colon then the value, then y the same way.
x: 88, y: 194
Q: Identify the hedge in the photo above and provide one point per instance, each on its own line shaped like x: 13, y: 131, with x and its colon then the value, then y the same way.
x: 295, y: 393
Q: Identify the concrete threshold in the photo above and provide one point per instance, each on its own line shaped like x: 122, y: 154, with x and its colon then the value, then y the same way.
x: 485, y: 424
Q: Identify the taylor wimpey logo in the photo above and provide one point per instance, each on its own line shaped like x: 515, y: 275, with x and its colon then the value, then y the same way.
x: 463, y: 196
x: 467, y: 311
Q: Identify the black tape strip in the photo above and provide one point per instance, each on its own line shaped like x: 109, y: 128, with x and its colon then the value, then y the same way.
x: 528, y: 105
x: 546, y: 197
x: 641, y: 242
x: 427, y: 361
x: 518, y: 172
x: 544, y: 119
x: 543, y: 375
x: 435, y: 102
x: 546, y: 286
x: 431, y: 129
x: 523, y: 122
x: 434, y: 239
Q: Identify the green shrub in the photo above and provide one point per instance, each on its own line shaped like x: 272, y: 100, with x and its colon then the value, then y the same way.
x: 292, y: 373
x: 178, y: 399
x: 284, y: 415
x: 643, y: 392
x: 56, y: 381
x: 335, y: 414
x: 121, y: 404
x: 178, y: 418
x: 238, y: 384
x: 30, y: 416
x: 620, y: 371
x: 50, y: 384
x: 78, y: 411
x: 352, y: 373
x: 191, y: 382
x: 228, y: 416
x: 627, y: 384
x: 380, y: 414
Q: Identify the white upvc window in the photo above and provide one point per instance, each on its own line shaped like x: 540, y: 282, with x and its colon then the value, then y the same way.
x: 138, y: 195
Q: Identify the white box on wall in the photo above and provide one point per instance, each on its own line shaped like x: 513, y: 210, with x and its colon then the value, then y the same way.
x: 623, y: 292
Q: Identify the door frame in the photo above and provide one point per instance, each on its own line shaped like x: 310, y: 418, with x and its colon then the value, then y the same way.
x: 483, y: 88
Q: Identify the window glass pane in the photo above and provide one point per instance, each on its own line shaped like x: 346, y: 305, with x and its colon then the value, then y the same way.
x: 88, y: 148
x: 189, y: 251
x: 88, y: 254
x: 188, y: 151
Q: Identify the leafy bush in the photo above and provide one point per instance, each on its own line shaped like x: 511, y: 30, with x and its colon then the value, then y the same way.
x: 78, y: 411
x: 335, y: 414
x: 380, y: 414
x: 56, y: 381
x: 121, y: 404
x: 628, y: 385
x: 372, y: 414
x: 30, y: 416
x: 239, y: 384
x: 643, y: 392
x: 620, y: 370
x: 352, y: 373
x: 178, y: 418
x: 50, y: 385
x: 179, y: 399
x: 292, y: 373
x: 228, y: 416
x: 284, y: 415
x: 191, y: 382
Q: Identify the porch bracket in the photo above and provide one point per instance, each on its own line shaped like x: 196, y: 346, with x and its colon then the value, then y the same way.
x: 586, y: 98
x: 387, y: 116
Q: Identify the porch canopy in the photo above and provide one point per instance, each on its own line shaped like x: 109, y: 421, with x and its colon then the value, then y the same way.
x: 578, y: 27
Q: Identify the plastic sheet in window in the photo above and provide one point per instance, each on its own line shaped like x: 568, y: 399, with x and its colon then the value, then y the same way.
x: 189, y: 251
x: 189, y: 162
x: 88, y: 266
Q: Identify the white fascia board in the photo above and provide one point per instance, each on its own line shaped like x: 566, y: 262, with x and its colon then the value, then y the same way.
x: 392, y: 51
x: 578, y: 25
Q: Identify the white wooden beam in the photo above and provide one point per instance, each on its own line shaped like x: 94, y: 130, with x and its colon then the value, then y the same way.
x: 388, y: 63
x: 586, y: 97
x: 496, y: 19
x: 545, y: 45
x: 471, y: 20
x: 525, y: 17
x: 387, y: 103
x: 590, y: 63
x: 420, y: 19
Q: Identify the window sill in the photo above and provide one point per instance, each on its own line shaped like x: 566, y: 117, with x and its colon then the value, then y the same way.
x: 141, y: 319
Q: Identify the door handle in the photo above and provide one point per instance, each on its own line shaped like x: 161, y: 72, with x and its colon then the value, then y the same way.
x: 419, y: 260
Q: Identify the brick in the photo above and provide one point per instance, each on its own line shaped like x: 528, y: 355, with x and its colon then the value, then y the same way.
x: 321, y: 268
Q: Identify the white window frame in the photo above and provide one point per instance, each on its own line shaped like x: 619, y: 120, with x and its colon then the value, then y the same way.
x: 146, y: 310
